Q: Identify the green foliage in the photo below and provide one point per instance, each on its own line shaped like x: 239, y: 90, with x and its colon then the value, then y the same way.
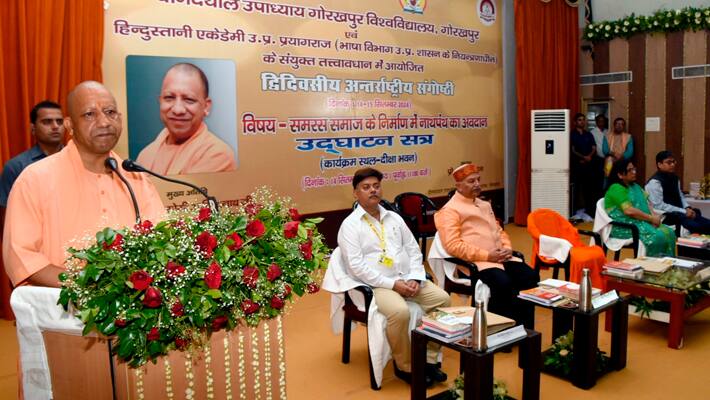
x: 662, y: 21
x: 500, y: 391
x: 559, y: 356
x: 154, y: 289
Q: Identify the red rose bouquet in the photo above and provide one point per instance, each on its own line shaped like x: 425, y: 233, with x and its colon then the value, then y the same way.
x: 168, y: 285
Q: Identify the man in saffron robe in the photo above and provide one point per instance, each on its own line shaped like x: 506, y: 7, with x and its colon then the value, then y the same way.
x: 72, y: 194
x: 468, y: 230
x: 185, y: 145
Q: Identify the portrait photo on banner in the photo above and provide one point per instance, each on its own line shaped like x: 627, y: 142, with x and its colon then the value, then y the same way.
x: 182, y: 114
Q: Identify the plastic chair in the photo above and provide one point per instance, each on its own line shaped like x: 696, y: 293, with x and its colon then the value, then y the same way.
x: 353, y: 313
x: 417, y: 210
x: 547, y: 222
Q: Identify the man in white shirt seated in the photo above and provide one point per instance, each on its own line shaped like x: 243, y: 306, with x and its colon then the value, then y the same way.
x: 380, y: 250
x: 665, y: 195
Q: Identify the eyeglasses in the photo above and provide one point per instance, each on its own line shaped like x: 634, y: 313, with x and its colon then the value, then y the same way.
x: 632, y: 169
x: 93, y: 115
x: 670, y: 161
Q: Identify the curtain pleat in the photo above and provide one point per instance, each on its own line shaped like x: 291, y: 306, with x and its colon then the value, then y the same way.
x: 46, y: 48
x: 547, y: 75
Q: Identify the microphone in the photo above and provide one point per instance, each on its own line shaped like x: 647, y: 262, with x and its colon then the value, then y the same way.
x: 112, y: 164
x: 132, y: 166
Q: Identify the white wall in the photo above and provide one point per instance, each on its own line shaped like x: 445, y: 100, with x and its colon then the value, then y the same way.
x: 604, y: 10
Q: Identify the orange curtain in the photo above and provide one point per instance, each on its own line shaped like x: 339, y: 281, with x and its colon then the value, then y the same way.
x: 547, y: 75
x: 46, y: 48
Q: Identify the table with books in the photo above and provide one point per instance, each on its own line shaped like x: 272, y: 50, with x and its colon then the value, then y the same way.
x: 694, y: 246
x: 451, y: 327
x: 667, y: 279
x: 561, y: 297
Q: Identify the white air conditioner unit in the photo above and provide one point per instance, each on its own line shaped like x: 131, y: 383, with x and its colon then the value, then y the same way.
x: 550, y: 147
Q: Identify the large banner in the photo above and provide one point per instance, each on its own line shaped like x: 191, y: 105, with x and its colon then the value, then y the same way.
x: 236, y: 94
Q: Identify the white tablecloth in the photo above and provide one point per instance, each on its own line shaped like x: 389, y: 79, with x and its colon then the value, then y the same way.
x: 702, y: 205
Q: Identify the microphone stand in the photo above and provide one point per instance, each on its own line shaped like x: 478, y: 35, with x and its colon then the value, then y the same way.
x: 130, y: 165
x: 112, y: 164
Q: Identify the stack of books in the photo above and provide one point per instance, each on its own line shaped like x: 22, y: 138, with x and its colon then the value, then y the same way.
x: 445, y: 326
x: 624, y: 269
x: 571, y: 291
x: 450, y: 324
x: 695, y: 240
x: 545, y: 297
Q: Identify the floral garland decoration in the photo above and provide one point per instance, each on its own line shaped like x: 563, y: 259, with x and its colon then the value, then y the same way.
x: 158, y: 288
x: 662, y: 21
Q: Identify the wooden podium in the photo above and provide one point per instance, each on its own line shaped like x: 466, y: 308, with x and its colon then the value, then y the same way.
x: 247, y: 363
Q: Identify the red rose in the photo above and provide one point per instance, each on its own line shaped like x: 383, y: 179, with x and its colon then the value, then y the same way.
x: 181, y: 343
x: 177, y: 309
x: 219, y: 323
x: 309, y: 233
x: 140, y: 280
x: 144, y: 227
x: 277, y: 302
x: 312, y: 287
x: 256, y: 228
x: 120, y: 323
x: 154, y: 334
x: 294, y: 214
x: 116, y: 245
x: 286, y: 291
x: 204, y: 215
x: 174, y: 270
x: 291, y: 229
x: 307, y: 250
x: 213, y: 276
x: 250, y: 275
x: 249, y: 307
x: 237, y: 241
x: 253, y: 209
x: 273, y: 272
x: 152, y: 298
x: 206, y: 242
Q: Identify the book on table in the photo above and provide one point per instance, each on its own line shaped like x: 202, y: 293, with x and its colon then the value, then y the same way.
x: 695, y: 240
x: 450, y: 324
x: 571, y: 291
x: 624, y: 269
x: 540, y: 295
x: 652, y: 265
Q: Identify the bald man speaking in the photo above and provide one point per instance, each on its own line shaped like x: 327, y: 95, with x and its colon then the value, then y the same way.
x: 185, y: 145
x: 72, y: 194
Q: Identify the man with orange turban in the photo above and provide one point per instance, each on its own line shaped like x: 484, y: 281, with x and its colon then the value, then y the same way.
x: 468, y: 230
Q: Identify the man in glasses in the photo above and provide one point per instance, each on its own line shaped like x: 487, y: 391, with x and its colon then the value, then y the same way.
x: 61, y: 198
x: 664, y: 193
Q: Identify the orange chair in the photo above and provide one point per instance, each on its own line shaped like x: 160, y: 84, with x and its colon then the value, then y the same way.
x: 544, y: 221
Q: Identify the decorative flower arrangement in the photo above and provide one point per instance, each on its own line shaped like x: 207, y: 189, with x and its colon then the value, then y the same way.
x: 689, y: 18
x: 704, y: 191
x: 558, y: 358
x: 500, y: 391
x: 158, y: 288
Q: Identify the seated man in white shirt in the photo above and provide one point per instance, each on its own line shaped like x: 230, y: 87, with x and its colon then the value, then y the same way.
x: 380, y: 250
x: 665, y: 195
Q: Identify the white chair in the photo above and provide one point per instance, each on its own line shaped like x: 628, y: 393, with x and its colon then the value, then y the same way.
x: 353, y: 301
x: 603, y: 224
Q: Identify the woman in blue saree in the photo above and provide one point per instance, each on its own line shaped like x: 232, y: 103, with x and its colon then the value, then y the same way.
x: 625, y: 201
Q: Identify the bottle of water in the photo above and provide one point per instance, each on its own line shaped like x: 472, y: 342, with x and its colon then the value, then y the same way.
x: 479, y: 329
x: 585, y: 292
